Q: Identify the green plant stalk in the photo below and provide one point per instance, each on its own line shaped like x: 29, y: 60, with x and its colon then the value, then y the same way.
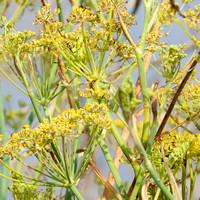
x: 29, y: 90
x: 76, y: 192
x: 4, y: 183
x: 37, y: 170
x: 35, y: 105
x: 146, y: 99
x: 147, y: 163
x: 139, y: 56
x: 192, y: 177
x: 191, y: 37
x: 141, y: 172
x: 104, y: 46
x: 157, y: 194
x: 196, y: 124
x: 60, y: 15
x: 69, y: 157
x: 143, y: 82
x: 13, y: 82
x: 66, y: 162
x: 29, y: 178
x: 52, y: 77
x: 164, y: 97
x: 122, y: 119
x: 145, y: 25
x: 76, y: 66
x: 110, y: 59
x: 138, y: 183
x: 90, y: 56
x: 112, y: 167
x: 120, y: 141
x: 195, y: 176
x: 19, y: 12
x: 152, y: 135
x: 75, y: 156
x: 46, y: 112
x: 184, y: 176
x: 55, y: 165
x: 88, y: 153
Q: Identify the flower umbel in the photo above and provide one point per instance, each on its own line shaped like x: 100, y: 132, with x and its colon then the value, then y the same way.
x: 64, y: 125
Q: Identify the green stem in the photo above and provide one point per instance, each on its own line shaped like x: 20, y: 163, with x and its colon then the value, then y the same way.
x: 184, y: 179
x: 147, y: 163
x: 164, y: 97
x: 112, y: 167
x: 120, y: 140
x: 4, y: 183
x: 27, y: 177
x: 145, y: 25
x: 142, y: 76
x: 29, y: 90
x: 191, y: 37
x: 138, y: 183
x: 152, y: 135
x: 12, y: 81
x: 76, y: 192
x: 157, y: 194
x: 146, y: 99
x: 60, y: 15
x: 88, y: 153
x: 35, y: 105
x: 192, y: 177
x: 90, y: 56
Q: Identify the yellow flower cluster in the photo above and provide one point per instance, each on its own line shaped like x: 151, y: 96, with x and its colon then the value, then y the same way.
x: 193, y: 18
x: 45, y: 17
x: 64, y: 125
x: 100, y: 29
x: 94, y: 94
x: 189, y: 100
x: 153, y: 38
x: 173, y: 140
x: 167, y: 14
x: 125, y: 51
x: 81, y: 15
x: 14, y: 43
x: 176, y: 147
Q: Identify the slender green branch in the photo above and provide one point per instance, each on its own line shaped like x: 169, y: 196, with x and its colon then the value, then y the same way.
x: 13, y: 82
x: 147, y: 163
x: 145, y: 25
x: 120, y: 141
x: 112, y: 167
x: 184, y: 169
x: 4, y: 170
x: 60, y: 15
x: 139, y: 182
x: 76, y: 192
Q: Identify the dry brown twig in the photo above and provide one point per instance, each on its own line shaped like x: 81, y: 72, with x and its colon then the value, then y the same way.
x: 191, y: 66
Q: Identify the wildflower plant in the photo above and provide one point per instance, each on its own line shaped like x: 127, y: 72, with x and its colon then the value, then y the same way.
x: 83, y: 57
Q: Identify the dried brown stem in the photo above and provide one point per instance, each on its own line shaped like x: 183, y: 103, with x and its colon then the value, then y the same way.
x: 43, y: 3
x: 185, y: 121
x: 192, y: 65
x: 113, y: 191
x: 154, y: 102
x: 6, y: 8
